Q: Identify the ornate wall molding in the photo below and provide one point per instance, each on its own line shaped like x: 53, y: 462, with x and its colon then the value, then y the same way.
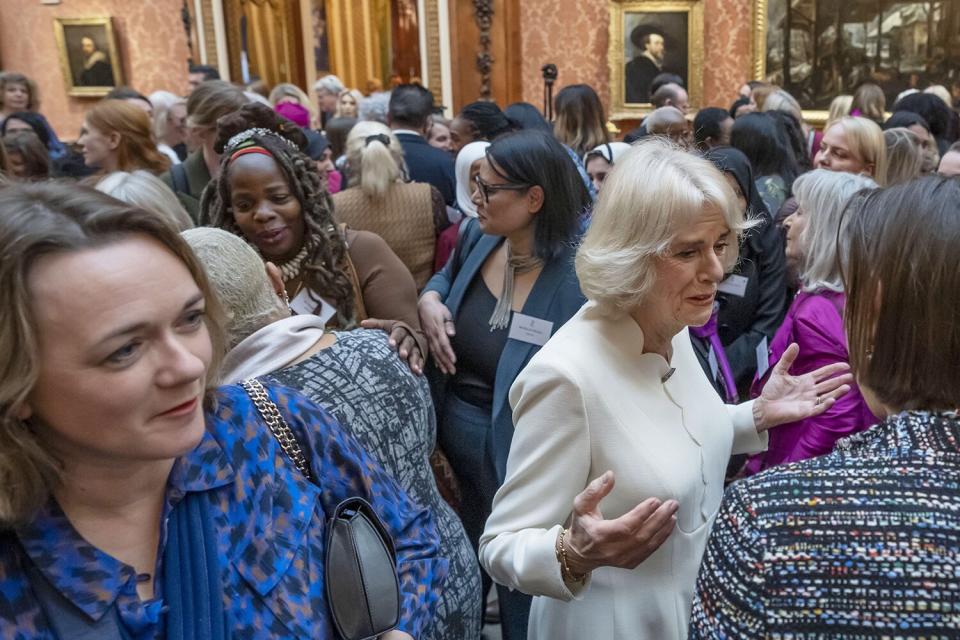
x: 483, y: 15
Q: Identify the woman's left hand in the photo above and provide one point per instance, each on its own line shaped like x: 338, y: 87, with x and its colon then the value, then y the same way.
x: 786, y: 398
x: 401, y: 340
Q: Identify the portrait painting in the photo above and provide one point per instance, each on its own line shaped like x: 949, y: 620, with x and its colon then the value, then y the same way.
x: 654, y: 43
x: 88, y: 55
x: 818, y: 49
x: 649, y: 38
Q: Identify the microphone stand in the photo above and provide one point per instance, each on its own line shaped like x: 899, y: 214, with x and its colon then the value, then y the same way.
x: 550, y: 73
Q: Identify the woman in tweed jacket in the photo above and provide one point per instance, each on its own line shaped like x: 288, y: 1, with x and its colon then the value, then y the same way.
x: 863, y: 542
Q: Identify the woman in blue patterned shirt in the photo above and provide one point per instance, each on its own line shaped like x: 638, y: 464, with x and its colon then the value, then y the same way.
x: 863, y: 543
x: 134, y: 503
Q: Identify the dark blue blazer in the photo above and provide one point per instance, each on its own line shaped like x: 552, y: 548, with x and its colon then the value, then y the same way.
x: 429, y: 164
x: 555, y: 297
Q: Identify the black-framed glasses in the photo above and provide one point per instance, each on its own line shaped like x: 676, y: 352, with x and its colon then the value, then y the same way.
x: 486, y: 189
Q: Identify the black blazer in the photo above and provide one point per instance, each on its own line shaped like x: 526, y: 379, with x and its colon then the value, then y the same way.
x: 745, y: 321
x: 555, y: 297
x: 429, y: 164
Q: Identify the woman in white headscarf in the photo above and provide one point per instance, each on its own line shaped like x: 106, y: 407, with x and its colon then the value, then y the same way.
x: 468, y: 165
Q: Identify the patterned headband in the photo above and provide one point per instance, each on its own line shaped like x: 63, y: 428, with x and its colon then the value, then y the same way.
x: 247, y: 134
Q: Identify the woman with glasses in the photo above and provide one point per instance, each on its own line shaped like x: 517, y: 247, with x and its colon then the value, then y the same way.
x: 508, y: 287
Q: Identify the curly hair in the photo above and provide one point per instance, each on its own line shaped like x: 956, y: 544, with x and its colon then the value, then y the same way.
x: 326, y: 268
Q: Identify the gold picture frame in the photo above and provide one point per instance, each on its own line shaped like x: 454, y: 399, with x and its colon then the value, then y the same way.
x: 758, y: 58
x: 89, y: 57
x: 658, y: 16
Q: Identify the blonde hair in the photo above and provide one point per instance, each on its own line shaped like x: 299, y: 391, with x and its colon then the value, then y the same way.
x: 147, y: 191
x: 839, y: 107
x: 782, y: 101
x: 163, y: 102
x: 655, y: 189
x: 823, y: 196
x: 865, y: 140
x: 287, y: 90
x: 373, y: 165
x: 905, y: 158
x: 870, y: 100
x: 37, y: 220
x: 357, y: 97
x: 238, y: 276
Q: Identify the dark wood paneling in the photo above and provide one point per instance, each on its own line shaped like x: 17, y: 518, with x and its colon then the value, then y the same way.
x: 505, y: 75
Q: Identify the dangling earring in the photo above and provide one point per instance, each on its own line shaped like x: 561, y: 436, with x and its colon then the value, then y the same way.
x: 285, y: 298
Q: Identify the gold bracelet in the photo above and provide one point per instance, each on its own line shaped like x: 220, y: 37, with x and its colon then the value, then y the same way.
x: 565, y: 572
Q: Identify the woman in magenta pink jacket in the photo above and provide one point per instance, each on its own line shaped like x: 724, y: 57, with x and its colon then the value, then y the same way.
x: 815, y: 318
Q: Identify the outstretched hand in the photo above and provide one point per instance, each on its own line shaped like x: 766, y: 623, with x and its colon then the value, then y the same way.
x: 787, y: 398
x: 624, y: 542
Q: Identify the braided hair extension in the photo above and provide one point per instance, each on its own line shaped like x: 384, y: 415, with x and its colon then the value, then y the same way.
x: 325, y: 271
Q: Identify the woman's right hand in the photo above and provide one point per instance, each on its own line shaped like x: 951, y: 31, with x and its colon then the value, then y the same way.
x: 437, y: 323
x: 624, y: 542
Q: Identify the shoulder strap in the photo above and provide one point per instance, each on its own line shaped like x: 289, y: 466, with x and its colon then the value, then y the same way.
x: 68, y: 622
x: 278, y: 425
x: 178, y: 176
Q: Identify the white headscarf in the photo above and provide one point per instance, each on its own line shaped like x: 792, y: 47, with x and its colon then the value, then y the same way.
x: 468, y: 155
x: 610, y: 151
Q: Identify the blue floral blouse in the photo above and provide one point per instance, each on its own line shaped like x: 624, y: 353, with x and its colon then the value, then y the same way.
x: 270, y: 523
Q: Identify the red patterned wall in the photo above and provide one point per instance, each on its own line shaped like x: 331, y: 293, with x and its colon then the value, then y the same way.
x: 149, y: 35
x: 574, y: 36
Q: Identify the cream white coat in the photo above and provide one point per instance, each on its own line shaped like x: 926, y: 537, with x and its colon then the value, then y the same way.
x: 589, y: 401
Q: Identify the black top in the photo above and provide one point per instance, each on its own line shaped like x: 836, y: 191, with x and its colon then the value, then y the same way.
x: 477, y: 347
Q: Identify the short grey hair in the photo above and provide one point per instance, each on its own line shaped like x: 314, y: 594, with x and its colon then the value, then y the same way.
x: 239, y: 277
x: 375, y: 107
x: 144, y: 190
x: 330, y: 84
x: 654, y: 191
x: 822, y: 196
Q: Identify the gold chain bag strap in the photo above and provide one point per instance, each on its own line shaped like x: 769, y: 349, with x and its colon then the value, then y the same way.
x: 363, y: 591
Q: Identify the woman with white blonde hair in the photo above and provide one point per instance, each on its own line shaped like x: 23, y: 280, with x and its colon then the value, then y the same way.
x: 619, y: 390
x: 407, y: 215
x: 170, y: 124
x: 854, y: 145
x: 348, y: 104
x: 145, y: 190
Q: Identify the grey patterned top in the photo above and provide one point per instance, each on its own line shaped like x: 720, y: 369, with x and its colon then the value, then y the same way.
x: 388, y: 409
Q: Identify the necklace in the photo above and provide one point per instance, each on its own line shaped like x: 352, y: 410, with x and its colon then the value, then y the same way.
x: 514, y: 266
x: 292, y: 267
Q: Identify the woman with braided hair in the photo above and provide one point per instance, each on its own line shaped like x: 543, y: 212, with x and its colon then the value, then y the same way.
x: 269, y: 193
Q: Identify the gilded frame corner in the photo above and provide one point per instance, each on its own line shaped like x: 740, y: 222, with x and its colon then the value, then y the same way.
x: 116, y: 64
x: 620, y: 109
x: 758, y: 56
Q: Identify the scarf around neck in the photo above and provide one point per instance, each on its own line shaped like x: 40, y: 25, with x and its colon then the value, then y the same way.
x: 271, y: 348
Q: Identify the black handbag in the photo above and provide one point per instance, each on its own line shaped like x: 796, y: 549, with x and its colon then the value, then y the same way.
x: 363, y: 591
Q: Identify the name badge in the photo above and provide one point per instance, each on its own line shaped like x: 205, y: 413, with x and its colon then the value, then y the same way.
x: 530, y: 330
x: 305, y: 303
x: 714, y: 364
x: 763, y: 358
x: 734, y: 285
